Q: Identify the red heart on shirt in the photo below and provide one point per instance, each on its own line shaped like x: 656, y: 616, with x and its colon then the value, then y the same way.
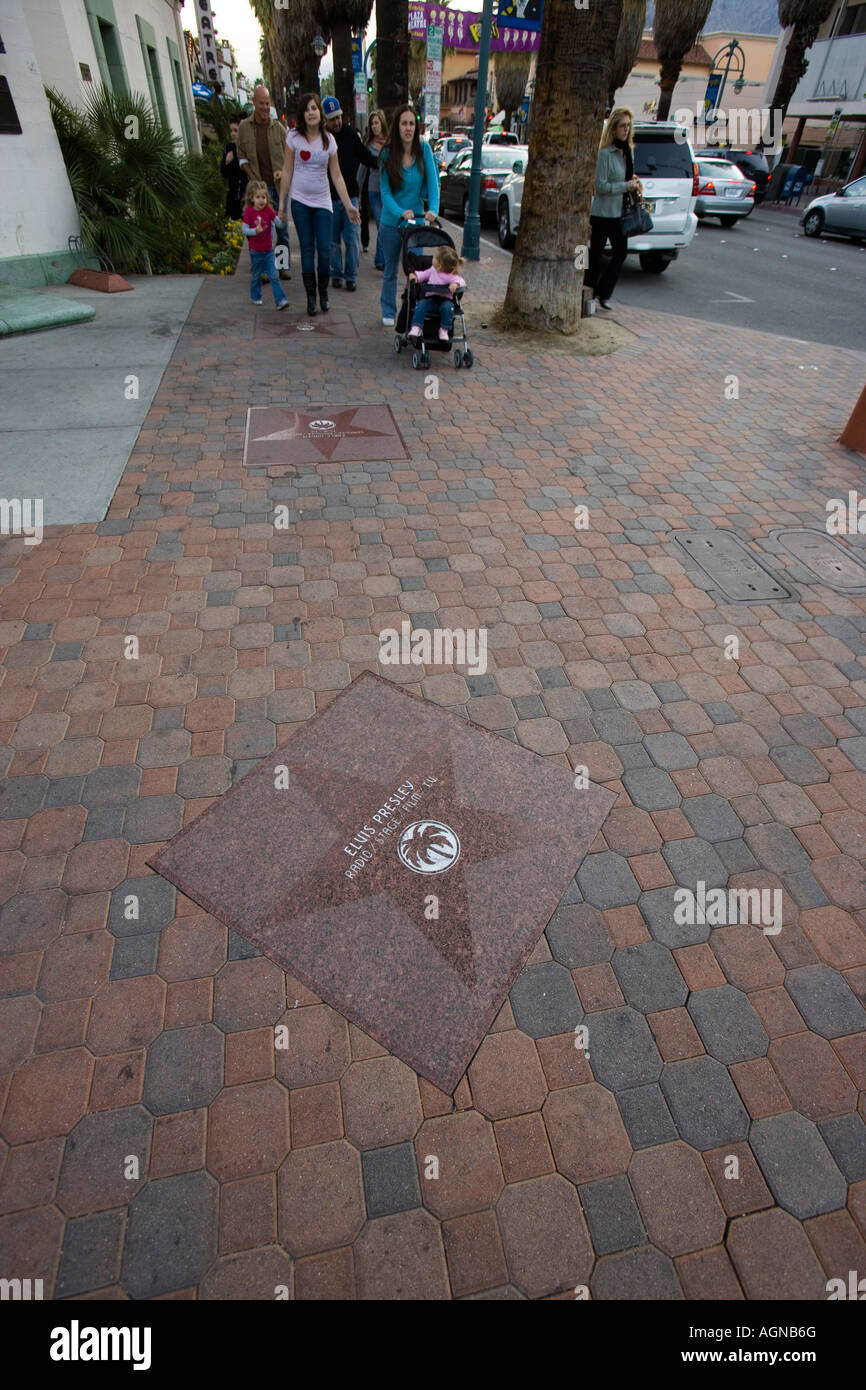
x: 305, y: 154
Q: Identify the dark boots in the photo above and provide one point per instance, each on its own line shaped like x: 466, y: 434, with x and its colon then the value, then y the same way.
x: 323, y: 291
x: 309, y: 278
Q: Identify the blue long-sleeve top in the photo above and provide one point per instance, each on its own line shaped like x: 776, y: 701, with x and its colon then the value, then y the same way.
x: 417, y: 183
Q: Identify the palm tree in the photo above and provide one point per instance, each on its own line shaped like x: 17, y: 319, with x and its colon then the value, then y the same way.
x: 338, y: 18
x: 676, y: 26
x: 806, y: 17
x: 392, y: 53
x: 417, y: 67
x: 511, y: 73
x: 571, y: 85
x: 628, y: 42
x: 287, y: 46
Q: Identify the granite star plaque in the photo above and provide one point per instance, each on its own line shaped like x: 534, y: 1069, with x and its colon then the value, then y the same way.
x: 336, y: 324
x: 343, y: 434
x: 397, y: 860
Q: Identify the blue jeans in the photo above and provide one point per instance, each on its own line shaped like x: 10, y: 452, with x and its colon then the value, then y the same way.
x: 429, y: 306
x: 264, y: 263
x: 344, y: 231
x: 282, y: 236
x: 313, y: 226
x: 390, y: 242
x: 376, y: 209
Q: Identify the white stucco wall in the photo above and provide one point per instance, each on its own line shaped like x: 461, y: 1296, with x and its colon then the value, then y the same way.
x: 37, y: 210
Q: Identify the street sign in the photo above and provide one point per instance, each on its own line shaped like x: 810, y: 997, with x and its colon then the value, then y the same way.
x: 433, y: 78
x: 360, y: 94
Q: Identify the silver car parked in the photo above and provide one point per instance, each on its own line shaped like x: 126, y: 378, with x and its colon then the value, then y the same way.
x: 724, y: 191
x: 843, y: 213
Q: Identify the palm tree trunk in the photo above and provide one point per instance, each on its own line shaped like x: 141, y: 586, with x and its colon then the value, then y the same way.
x: 344, y: 78
x: 392, y: 53
x: 794, y: 64
x: 571, y: 82
x: 669, y: 73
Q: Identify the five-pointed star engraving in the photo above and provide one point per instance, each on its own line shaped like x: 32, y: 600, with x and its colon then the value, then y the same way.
x: 348, y: 801
x: 327, y: 442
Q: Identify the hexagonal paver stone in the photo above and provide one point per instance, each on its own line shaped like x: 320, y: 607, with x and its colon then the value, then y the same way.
x: 248, y: 1130
x: 825, y: 1001
x: 401, y: 1257
x: 250, y: 1274
x: 651, y: 789
x: 318, y: 1047
x: 141, y: 906
x: 845, y: 1137
x: 777, y: 848
x: 467, y: 1162
x: 646, y: 1117
x: 799, y: 765
x: 667, y: 913
x: 611, y: 1215
x: 586, y: 1133
x: 637, y: 1276
x: 184, y: 1069
x: 677, y: 1199
x: 48, y: 1095
x: 390, y: 1180
x: 171, y: 1235
x: 31, y: 921
x: 19, y: 1020
x: 711, y: 817
x: 153, y: 818
x: 704, y: 1102
x: 774, y: 1258
x: 21, y: 797
x: 799, y: 1168
x: 506, y: 1076
x: 622, y: 1051
x: 90, y: 1258
x: 381, y: 1103
x: 648, y: 977
x: 208, y: 776
x: 606, y: 880
x: 111, y: 786
x: 695, y: 861
x: 320, y: 1197
x: 544, y: 1000
x: 577, y: 936
x: 728, y: 1025
x: 670, y: 751
x: 93, y: 1175
x: 544, y: 1236
x: 248, y: 994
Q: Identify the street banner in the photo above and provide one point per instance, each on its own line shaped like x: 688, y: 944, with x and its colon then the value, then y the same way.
x: 521, y: 14
x: 357, y: 56
x: 462, y: 30
x: 711, y: 95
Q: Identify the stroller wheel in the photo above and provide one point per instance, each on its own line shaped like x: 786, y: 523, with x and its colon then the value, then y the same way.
x: 468, y: 359
x: 458, y: 357
x: 417, y: 360
x: 398, y: 343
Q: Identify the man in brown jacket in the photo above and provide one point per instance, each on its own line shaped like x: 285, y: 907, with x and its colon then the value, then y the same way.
x: 261, y: 150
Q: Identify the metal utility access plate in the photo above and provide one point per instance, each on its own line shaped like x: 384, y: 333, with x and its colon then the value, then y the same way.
x: 838, y: 566
x: 732, y: 568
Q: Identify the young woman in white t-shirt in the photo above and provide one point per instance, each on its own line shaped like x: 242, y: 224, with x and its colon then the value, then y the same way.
x: 311, y: 153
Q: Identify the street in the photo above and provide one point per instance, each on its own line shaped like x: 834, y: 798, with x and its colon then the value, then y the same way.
x: 762, y: 274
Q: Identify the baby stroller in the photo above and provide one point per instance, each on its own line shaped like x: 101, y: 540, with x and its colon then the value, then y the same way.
x: 416, y: 236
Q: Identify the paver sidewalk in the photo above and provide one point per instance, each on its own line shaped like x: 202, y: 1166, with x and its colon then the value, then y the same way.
x: 148, y: 1029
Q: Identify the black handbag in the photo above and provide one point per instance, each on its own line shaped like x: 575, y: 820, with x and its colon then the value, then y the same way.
x: 636, y: 220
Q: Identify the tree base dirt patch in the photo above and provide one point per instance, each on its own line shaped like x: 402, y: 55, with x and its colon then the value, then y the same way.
x: 596, y: 336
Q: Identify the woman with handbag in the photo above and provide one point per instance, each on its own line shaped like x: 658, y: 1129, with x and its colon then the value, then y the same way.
x: 614, y: 183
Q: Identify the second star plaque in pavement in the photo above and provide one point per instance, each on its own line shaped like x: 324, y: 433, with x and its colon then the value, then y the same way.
x: 399, y: 862
x: 342, y: 434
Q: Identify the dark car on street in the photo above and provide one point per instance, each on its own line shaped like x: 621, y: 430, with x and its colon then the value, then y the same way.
x: 753, y: 163
x: 497, y: 162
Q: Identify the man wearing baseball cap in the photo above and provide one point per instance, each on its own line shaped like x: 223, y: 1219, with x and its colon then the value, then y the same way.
x: 351, y: 152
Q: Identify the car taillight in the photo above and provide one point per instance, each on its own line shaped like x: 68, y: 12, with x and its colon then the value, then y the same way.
x: 753, y: 189
x: 489, y: 183
x: 708, y: 189
x: 695, y: 181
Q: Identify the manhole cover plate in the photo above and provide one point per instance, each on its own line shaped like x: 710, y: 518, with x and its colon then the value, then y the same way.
x: 399, y: 862
x: 336, y: 324
x: 733, y: 570
x: 834, y: 564
x: 277, y: 434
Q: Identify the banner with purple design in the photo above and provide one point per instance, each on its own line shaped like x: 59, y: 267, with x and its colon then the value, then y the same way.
x: 462, y: 29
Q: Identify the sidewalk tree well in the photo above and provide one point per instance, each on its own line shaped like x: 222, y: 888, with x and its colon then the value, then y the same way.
x: 628, y: 42
x: 338, y: 18
x: 676, y: 26
x: 392, y: 54
x: 571, y: 83
x: 806, y: 17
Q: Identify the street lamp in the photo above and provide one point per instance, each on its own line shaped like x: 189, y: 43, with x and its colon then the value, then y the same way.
x: 730, y: 51
x: 320, y: 48
x: 472, y: 224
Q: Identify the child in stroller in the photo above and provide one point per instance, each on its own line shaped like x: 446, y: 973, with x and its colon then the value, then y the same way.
x: 431, y: 310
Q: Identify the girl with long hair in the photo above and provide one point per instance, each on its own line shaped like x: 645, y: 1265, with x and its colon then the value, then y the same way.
x: 371, y: 195
x: 408, y: 178
x: 311, y: 154
x: 614, y: 180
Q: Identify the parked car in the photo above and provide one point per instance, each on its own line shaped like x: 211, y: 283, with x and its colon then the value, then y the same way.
x: 723, y: 192
x: 500, y: 137
x: 752, y: 163
x: 497, y: 162
x: 665, y: 164
x: 508, y: 204
x: 446, y: 150
x: 843, y: 213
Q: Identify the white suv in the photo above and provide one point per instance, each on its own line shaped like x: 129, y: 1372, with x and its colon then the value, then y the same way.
x: 665, y: 164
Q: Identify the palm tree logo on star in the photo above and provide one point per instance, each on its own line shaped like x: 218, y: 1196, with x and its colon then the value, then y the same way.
x: 428, y: 847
